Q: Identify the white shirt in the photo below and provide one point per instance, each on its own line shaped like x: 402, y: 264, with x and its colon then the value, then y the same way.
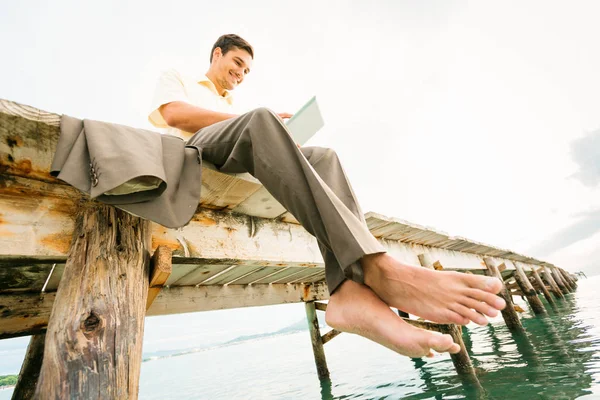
x: 200, y: 92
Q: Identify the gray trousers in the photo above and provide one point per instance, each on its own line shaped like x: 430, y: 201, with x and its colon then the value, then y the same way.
x: 309, y: 182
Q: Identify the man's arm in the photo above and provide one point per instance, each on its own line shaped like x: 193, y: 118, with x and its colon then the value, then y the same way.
x: 189, y: 118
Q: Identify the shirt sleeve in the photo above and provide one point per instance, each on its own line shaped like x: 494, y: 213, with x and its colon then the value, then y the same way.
x: 169, y: 88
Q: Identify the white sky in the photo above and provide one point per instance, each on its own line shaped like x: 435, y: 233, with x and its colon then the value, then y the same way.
x: 453, y: 114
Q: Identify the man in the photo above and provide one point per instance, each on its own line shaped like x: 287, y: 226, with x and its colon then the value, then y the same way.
x: 363, y: 280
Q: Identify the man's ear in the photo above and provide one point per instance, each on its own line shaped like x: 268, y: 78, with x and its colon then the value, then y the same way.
x: 217, y: 53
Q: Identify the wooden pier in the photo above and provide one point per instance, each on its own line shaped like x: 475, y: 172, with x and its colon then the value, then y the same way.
x: 80, y: 276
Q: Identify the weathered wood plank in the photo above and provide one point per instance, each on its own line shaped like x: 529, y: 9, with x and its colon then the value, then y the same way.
x: 23, y: 314
x: 28, y: 313
x: 262, y: 203
x: 94, y: 341
x: 28, y: 139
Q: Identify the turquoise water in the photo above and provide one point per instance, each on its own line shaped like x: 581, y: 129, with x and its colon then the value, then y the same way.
x: 557, y: 358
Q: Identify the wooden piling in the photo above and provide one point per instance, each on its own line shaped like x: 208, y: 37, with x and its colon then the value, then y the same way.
x: 93, y: 343
x: 542, y: 286
x: 559, y: 281
x: 567, y: 279
x: 30, y: 369
x: 527, y: 288
x: 316, y: 340
x: 508, y: 313
x: 461, y: 360
x: 553, y: 285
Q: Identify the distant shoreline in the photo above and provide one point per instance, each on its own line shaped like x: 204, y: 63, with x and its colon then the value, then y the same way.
x: 7, y: 387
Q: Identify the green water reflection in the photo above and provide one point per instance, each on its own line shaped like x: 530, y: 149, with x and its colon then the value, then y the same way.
x: 557, y: 356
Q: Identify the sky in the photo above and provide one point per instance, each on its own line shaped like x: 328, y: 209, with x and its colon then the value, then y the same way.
x: 477, y: 118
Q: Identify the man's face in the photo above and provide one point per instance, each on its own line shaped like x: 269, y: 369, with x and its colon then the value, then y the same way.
x: 231, y: 68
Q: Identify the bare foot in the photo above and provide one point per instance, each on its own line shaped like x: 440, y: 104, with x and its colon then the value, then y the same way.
x: 354, y: 308
x: 439, y: 296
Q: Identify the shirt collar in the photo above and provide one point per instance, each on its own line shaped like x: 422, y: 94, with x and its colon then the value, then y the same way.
x: 203, y: 80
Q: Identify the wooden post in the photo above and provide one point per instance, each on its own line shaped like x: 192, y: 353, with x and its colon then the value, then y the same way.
x: 461, y: 360
x: 558, y: 279
x: 542, y: 286
x: 30, y: 369
x: 528, y: 290
x: 567, y: 279
x: 94, y: 337
x: 553, y: 285
x: 317, y: 342
x: 509, y: 314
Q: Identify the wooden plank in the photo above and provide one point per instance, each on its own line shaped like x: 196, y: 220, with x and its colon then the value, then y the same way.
x: 27, y: 313
x: 24, y: 277
x: 177, y: 300
x: 161, y: 270
x: 28, y: 139
x: 24, y: 314
x: 223, y: 191
x: 93, y: 346
x: 262, y: 203
x: 320, y: 306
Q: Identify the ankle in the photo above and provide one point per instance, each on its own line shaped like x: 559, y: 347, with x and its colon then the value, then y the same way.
x: 373, y: 266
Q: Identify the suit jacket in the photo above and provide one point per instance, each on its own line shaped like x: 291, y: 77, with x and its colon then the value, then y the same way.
x: 157, y: 177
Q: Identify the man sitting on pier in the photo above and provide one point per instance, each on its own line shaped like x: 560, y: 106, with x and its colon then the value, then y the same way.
x: 363, y: 280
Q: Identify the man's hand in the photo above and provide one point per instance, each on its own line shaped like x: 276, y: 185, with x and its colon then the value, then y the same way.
x: 287, y: 116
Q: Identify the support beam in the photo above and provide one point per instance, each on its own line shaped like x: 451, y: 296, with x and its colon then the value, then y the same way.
x: 508, y: 313
x: 530, y: 294
x: 316, y: 340
x: 330, y: 335
x: 26, y: 314
x: 553, y: 285
x: 321, y: 306
x: 30, y: 369
x: 542, y: 286
x: 161, y: 270
x: 94, y: 341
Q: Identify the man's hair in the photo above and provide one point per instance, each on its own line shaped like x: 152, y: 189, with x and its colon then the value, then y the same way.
x: 229, y: 42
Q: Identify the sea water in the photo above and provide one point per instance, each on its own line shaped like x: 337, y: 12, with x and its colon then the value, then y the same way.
x: 558, y: 357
